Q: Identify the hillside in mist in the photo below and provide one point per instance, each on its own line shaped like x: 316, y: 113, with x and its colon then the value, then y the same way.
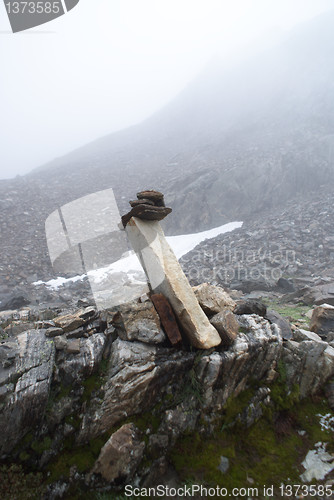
x: 235, y: 142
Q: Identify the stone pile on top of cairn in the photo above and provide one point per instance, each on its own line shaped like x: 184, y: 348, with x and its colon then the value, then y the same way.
x: 149, y: 205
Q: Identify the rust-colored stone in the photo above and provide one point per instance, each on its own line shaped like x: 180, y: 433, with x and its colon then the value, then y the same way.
x: 167, y: 318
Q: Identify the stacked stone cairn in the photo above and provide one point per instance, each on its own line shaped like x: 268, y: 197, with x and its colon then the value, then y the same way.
x: 149, y: 205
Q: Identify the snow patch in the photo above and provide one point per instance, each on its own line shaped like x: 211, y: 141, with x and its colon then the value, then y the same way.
x: 128, y: 271
x: 318, y: 463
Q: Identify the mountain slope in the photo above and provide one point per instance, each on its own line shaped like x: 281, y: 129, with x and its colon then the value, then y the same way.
x: 235, y: 143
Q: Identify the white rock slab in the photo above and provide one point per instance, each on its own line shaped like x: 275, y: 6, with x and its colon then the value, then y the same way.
x: 165, y: 276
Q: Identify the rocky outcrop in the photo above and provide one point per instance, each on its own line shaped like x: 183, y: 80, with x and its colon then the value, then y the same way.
x: 138, y: 374
x: 25, y: 378
x: 256, y: 350
x: 134, y: 398
x: 308, y: 363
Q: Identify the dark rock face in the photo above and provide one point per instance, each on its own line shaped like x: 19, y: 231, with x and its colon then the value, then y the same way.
x: 285, y: 285
x: 15, y: 302
x: 25, y: 379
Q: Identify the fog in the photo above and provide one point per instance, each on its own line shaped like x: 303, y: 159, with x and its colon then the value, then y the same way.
x: 109, y: 64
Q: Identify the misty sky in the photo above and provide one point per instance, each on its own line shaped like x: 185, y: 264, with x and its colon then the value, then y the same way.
x: 108, y: 64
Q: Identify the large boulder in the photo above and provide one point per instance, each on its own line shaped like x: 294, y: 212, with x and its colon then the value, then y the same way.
x: 321, y: 294
x: 255, y: 352
x: 309, y: 364
x: 322, y: 320
x: 226, y: 325
x: 251, y: 306
x: 138, y: 374
x: 213, y: 299
x: 121, y: 455
x: 139, y: 321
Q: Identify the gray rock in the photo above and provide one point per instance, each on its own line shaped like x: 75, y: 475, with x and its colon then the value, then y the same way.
x: 286, y: 285
x: 310, y: 364
x: 54, y: 332
x: 251, y: 306
x: 213, y: 299
x: 73, y: 346
x: 227, y: 326
x: 300, y: 335
x: 177, y: 421
x: 321, y: 294
x: 282, y: 323
x: 225, y: 374
x: 80, y: 358
x: 60, y: 343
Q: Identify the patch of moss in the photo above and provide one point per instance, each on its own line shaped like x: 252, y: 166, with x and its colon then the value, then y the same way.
x: 91, y: 385
x: 234, y: 406
x: 283, y: 397
x: 73, y: 420
x: 81, y: 457
x: 24, y: 456
x: 95, y: 381
x: 15, y: 483
x: 293, y: 312
x: 40, y: 446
